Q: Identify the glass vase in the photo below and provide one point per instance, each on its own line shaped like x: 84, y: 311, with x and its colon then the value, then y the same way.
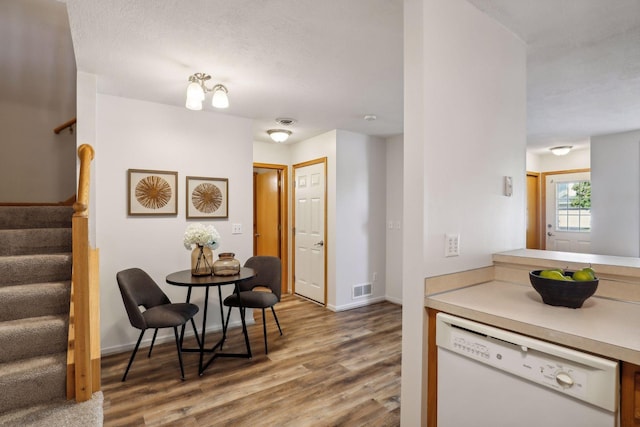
x: 201, y: 261
x: 226, y: 265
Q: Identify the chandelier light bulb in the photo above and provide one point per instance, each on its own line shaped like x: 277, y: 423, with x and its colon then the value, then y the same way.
x: 220, y: 98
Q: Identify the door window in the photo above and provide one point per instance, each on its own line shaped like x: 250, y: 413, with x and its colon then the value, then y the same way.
x: 573, y: 206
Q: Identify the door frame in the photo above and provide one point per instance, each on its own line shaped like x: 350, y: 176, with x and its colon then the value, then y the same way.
x: 322, y: 160
x: 284, y: 218
x: 543, y: 198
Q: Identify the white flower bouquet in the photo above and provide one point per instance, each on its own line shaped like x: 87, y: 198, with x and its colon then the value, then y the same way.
x: 201, y: 235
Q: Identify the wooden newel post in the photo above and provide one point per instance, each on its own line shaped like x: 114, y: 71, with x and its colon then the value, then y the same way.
x: 81, y: 280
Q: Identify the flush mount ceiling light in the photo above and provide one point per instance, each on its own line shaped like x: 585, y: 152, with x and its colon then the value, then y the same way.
x: 279, y: 135
x: 197, y: 89
x: 562, y: 150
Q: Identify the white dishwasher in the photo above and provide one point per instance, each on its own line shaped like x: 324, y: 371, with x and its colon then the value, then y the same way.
x: 489, y: 377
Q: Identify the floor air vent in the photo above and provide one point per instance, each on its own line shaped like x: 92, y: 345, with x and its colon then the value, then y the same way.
x: 362, y: 290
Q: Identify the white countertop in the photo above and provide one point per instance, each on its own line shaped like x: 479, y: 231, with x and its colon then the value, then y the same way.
x: 602, y: 326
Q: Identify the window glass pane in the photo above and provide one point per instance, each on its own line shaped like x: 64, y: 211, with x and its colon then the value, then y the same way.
x: 573, y: 206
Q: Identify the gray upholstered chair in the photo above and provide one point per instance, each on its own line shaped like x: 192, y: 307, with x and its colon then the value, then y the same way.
x: 139, y: 289
x: 262, y: 291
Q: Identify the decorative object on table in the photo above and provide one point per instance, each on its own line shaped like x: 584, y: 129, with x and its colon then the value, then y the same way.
x: 152, y: 192
x: 207, y: 197
x: 226, y: 265
x: 205, y: 238
x: 564, y: 292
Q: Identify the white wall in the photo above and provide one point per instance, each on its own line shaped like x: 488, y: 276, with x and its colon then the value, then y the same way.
x: 36, y: 165
x: 465, y: 115
x: 576, y: 159
x: 360, y: 218
x: 142, y: 135
x: 271, y: 152
x: 37, y: 94
x: 615, y: 194
x: 475, y: 127
x: 86, y: 134
x: 393, y: 279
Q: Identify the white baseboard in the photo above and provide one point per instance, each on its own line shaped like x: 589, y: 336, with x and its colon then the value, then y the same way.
x: 357, y: 304
x: 394, y: 300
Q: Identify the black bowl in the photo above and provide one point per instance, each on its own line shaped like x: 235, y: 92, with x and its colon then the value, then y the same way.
x: 562, y: 293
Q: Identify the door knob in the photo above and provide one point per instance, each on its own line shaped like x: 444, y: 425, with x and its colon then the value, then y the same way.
x: 549, y: 233
x: 320, y: 243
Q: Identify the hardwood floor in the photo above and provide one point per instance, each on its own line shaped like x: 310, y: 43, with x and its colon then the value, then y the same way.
x: 328, y: 369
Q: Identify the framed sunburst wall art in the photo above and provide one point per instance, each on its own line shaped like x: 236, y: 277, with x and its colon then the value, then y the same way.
x: 207, y: 197
x: 152, y: 192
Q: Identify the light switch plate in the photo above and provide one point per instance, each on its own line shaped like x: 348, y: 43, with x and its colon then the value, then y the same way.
x: 451, y: 245
x: 236, y: 228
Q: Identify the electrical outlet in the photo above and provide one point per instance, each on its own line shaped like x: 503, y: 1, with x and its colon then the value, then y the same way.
x: 451, y: 245
x: 236, y: 229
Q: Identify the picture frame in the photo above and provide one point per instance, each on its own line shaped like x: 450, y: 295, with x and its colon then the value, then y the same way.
x: 207, y: 197
x: 152, y: 192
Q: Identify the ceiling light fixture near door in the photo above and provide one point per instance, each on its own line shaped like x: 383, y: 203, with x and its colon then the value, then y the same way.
x: 197, y: 89
x: 562, y: 150
x: 279, y: 135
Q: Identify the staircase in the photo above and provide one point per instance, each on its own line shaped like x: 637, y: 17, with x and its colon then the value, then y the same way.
x: 35, y: 283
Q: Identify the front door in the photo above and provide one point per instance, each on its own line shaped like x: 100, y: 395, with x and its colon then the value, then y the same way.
x: 568, y: 212
x: 309, y: 234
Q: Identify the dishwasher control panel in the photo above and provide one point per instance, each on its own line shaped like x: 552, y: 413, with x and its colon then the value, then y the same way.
x: 545, y: 369
x: 583, y: 376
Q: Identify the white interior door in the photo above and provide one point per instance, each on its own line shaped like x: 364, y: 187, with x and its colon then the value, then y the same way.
x: 568, y: 226
x: 309, y: 274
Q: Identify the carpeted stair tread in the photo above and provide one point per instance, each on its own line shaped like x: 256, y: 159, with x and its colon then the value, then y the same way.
x: 58, y: 412
x: 32, y: 381
x: 16, y: 270
x: 12, y: 217
x: 35, y: 288
x: 34, y: 300
x: 36, y: 336
x: 29, y: 241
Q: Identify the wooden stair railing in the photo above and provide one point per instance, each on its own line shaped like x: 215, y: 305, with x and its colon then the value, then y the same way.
x: 69, y: 124
x: 83, y: 357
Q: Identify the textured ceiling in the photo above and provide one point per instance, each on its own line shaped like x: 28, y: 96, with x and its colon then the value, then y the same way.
x: 583, y: 65
x: 324, y: 63
x: 328, y: 63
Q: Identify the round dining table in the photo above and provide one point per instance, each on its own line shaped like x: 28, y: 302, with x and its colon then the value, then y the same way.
x: 186, y: 279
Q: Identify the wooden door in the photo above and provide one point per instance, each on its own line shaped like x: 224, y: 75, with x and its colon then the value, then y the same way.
x: 267, y: 212
x: 533, y: 210
x: 309, y: 234
x: 271, y: 196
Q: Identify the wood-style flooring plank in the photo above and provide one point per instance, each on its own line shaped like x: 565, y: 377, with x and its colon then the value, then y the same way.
x: 327, y: 369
